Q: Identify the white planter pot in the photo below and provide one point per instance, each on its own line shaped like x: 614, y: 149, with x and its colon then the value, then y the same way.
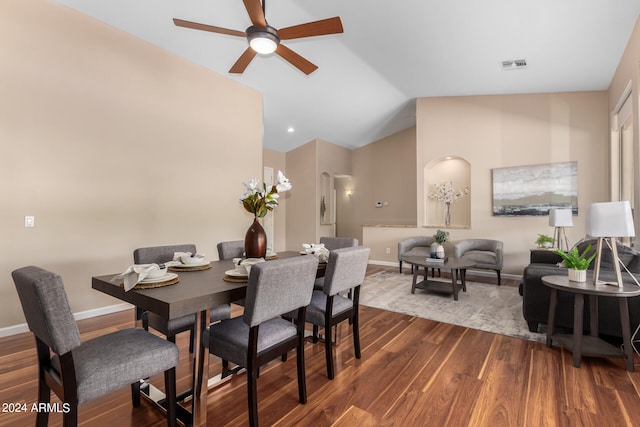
x: 577, y: 275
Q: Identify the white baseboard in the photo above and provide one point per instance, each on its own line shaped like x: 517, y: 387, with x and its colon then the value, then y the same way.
x: 21, y: 328
x: 482, y: 273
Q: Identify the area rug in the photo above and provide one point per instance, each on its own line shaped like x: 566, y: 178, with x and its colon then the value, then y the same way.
x: 489, y: 308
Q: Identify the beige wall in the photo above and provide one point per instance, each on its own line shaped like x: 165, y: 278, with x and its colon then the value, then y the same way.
x: 277, y: 161
x: 382, y: 171
x: 304, y: 166
x: 112, y: 144
x: 510, y: 130
x: 628, y: 71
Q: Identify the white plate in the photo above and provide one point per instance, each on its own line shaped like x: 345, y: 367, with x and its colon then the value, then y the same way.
x: 168, y: 276
x: 234, y: 273
x: 193, y: 264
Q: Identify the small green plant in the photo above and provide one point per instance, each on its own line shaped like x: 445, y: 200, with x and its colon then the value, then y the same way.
x: 575, y: 260
x: 441, y: 236
x: 543, y: 238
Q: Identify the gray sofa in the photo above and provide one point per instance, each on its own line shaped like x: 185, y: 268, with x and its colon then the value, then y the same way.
x: 535, y: 295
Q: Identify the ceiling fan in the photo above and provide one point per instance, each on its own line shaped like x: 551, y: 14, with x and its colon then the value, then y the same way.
x: 265, y: 39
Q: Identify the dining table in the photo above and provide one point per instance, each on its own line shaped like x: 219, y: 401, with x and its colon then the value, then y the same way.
x: 195, y: 292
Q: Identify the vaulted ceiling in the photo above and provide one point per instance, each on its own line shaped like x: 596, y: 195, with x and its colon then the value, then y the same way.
x: 391, y: 52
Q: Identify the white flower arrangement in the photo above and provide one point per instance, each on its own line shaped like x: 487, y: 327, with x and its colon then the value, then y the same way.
x: 257, y: 200
x: 444, y: 192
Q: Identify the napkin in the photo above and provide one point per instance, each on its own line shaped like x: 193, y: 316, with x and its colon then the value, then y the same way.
x: 318, y: 250
x: 177, y: 255
x: 137, y: 272
x: 243, y: 264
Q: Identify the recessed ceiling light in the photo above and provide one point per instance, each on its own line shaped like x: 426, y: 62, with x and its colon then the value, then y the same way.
x: 290, y: 129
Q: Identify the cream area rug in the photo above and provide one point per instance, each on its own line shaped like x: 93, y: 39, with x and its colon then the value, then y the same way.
x: 489, y: 308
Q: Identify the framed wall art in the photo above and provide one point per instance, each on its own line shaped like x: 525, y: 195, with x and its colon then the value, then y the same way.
x: 534, y: 190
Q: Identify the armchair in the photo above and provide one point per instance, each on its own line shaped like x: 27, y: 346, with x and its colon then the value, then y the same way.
x: 414, y: 246
x: 486, y: 253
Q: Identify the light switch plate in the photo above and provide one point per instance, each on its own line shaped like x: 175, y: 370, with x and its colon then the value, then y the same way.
x: 29, y: 221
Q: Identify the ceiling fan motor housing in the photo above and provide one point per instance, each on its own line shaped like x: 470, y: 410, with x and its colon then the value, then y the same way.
x: 263, y: 40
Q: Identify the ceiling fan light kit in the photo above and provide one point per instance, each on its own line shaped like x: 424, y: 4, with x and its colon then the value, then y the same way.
x: 265, y: 39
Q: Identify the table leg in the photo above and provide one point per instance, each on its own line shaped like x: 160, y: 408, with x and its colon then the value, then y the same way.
x: 593, y: 315
x: 200, y: 364
x: 454, y: 282
x: 415, y: 269
x: 626, y: 332
x: 578, y: 313
x: 551, y: 317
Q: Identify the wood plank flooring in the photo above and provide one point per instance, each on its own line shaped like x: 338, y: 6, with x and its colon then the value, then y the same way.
x: 413, y: 372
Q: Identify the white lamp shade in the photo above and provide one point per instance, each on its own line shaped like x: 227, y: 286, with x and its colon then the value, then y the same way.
x: 610, y: 219
x: 561, y: 218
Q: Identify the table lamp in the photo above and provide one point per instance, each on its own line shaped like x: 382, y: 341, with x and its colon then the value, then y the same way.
x: 607, y: 221
x: 561, y: 218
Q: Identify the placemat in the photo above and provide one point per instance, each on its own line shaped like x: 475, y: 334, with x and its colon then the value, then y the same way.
x: 187, y: 268
x: 269, y: 258
x: 154, y: 285
x: 232, y: 279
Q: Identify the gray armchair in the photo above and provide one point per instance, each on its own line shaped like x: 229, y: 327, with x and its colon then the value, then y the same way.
x: 414, y: 246
x: 486, y: 253
x: 81, y: 371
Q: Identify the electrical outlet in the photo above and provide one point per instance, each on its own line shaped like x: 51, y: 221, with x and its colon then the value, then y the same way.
x: 387, y: 251
x: 29, y: 221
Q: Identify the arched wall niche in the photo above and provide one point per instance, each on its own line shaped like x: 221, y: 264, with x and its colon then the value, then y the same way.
x: 326, y: 199
x: 438, y: 172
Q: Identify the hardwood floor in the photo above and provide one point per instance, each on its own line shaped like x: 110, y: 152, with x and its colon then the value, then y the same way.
x: 413, y: 372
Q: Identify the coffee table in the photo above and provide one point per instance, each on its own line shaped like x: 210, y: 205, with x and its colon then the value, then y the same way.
x: 457, y: 267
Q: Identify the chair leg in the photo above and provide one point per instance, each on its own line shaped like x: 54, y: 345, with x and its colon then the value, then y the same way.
x: 315, y: 334
x: 498, y: 271
x: 170, y: 389
x: 327, y: 349
x: 400, y: 267
x: 356, y: 335
x: 302, y: 381
x: 135, y: 394
x: 70, y: 419
x: 44, y: 396
x: 252, y: 395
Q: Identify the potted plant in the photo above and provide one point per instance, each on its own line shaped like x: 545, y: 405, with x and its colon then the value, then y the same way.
x: 544, y: 241
x: 437, y: 250
x: 577, y: 263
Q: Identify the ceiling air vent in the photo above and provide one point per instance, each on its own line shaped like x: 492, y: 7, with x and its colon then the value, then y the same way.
x: 514, y: 64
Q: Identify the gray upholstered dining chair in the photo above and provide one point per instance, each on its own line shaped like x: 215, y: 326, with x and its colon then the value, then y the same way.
x: 231, y: 249
x: 81, y: 371
x: 159, y: 255
x: 333, y: 243
x: 261, y: 335
x: 346, y: 269
x: 486, y: 253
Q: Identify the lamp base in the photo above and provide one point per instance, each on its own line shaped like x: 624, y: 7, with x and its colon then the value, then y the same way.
x: 616, y: 262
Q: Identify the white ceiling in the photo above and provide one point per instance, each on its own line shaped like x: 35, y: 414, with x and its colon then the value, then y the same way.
x: 390, y: 53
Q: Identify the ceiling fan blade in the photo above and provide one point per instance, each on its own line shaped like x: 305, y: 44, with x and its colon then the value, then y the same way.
x: 256, y: 14
x: 210, y: 28
x: 310, y: 29
x: 296, y: 60
x: 242, y: 62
